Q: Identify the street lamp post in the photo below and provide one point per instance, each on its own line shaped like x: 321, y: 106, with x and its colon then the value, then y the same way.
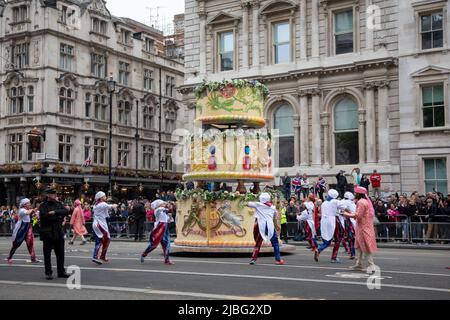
x: 162, y: 162
x: 111, y: 90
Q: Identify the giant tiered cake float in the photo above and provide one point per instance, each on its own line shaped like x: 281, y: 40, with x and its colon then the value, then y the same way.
x: 230, y: 146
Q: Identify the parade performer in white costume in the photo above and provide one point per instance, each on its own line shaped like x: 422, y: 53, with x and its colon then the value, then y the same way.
x: 100, y: 227
x: 264, y: 228
x: 160, y: 233
x: 349, y: 223
x: 329, y: 225
x: 307, y: 216
x: 23, y: 231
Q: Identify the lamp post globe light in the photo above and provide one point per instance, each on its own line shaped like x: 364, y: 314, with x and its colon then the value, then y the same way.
x: 111, y: 90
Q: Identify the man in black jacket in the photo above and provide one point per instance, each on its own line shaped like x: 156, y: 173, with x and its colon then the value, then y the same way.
x: 139, y: 218
x: 341, y: 183
x: 52, y: 213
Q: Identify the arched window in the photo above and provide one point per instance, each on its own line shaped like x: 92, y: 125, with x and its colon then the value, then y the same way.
x: 125, y: 112
x: 346, y: 131
x: 66, y: 100
x: 283, y: 121
x: 148, y: 117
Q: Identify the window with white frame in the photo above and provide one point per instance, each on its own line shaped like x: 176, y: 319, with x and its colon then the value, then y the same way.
x: 124, y: 73
x: 148, y: 117
x: 343, y: 31
x: 433, y: 106
x: 100, y: 106
x: 66, y: 58
x: 148, y: 79
x: 281, y: 42
x: 283, y: 122
x: 149, y: 45
x: 64, y: 148
x: 147, y: 156
x: 226, y: 51
x: 124, y: 112
x: 346, y: 132
x: 20, y: 55
x: 170, y: 86
x: 87, y: 105
x: 99, y: 157
x: 168, y: 157
x: 171, y: 117
x: 30, y: 98
x: 20, y: 14
x: 436, y: 175
x: 87, y: 149
x: 66, y: 100
x: 99, y: 26
x: 17, y: 100
x: 123, y: 154
x: 98, y: 65
x: 126, y: 37
x: 15, y: 147
x: 432, y: 30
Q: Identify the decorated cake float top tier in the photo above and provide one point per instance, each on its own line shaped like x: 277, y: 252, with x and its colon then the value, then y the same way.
x: 239, y: 102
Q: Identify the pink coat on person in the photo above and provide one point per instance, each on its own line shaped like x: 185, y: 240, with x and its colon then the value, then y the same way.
x: 77, y: 222
x: 365, y: 234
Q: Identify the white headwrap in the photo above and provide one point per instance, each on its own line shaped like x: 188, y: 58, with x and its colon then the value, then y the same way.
x: 23, y: 202
x: 349, y: 196
x: 157, y: 203
x: 264, y: 197
x: 333, y: 193
x: 99, y: 195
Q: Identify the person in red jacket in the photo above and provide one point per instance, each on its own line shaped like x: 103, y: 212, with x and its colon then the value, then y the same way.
x: 375, y: 181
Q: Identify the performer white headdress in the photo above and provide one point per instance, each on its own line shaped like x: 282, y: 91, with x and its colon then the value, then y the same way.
x: 155, y: 204
x: 349, y: 196
x: 23, y: 202
x: 99, y: 195
x: 333, y: 193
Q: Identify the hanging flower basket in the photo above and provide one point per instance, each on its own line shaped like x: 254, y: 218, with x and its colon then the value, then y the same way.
x: 58, y: 168
x: 37, y: 167
x: 74, y: 169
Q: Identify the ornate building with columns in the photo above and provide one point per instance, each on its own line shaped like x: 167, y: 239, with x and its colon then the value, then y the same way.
x: 332, y: 74
x: 56, y: 58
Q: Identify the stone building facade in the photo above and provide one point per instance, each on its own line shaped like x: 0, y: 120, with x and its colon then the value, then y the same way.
x: 424, y: 71
x: 56, y: 59
x: 334, y: 81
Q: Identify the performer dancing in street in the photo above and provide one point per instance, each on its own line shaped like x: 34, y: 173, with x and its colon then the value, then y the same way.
x: 349, y: 223
x: 307, y: 216
x: 264, y: 228
x: 329, y: 225
x: 160, y: 232
x: 100, y: 227
x: 365, y: 242
x: 23, y: 231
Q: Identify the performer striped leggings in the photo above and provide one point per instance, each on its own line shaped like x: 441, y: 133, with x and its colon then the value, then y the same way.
x: 103, y: 242
x: 258, y: 242
x: 159, y: 235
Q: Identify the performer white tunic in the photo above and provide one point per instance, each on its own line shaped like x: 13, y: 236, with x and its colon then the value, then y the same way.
x: 101, y: 213
x: 23, y: 218
x: 350, y: 205
x: 307, y: 215
x: 329, y: 210
x: 162, y: 215
x: 264, y: 216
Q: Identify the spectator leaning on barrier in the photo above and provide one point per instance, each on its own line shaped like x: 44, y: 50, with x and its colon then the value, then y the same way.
x: 283, y: 222
x: 381, y: 214
x: 430, y: 212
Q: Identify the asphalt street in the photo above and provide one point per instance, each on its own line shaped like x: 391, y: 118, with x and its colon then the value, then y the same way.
x: 404, y: 274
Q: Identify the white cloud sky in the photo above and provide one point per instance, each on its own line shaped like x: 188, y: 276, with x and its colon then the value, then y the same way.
x: 140, y: 9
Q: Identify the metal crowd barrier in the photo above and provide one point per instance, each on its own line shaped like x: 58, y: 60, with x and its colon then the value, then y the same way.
x: 403, y: 229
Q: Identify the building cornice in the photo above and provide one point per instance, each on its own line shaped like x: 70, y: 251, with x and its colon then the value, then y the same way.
x: 91, y: 44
